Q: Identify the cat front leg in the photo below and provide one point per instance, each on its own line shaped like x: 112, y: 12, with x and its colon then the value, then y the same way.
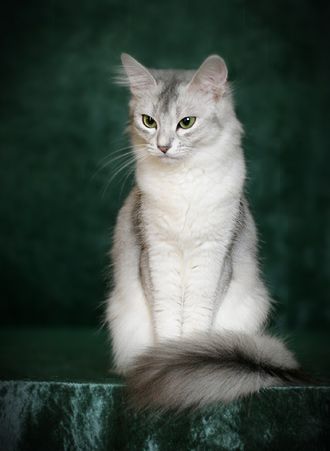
x: 128, y: 314
x: 184, y: 286
x: 202, y: 273
x: 165, y: 268
x: 130, y: 325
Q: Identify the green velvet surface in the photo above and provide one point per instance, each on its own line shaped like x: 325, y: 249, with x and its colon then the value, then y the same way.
x: 57, y: 393
x: 60, y: 115
x: 90, y: 416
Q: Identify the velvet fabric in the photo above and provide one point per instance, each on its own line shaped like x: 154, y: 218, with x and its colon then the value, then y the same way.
x: 41, y: 416
x: 57, y: 393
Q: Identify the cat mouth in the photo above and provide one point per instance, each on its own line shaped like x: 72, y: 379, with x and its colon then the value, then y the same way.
x: 169, y: 157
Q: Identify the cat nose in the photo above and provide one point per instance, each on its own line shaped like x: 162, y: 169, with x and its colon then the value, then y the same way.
x: 164, y: 149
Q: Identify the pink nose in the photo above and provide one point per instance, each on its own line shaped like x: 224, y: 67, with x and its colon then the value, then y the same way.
x: 164, y: 149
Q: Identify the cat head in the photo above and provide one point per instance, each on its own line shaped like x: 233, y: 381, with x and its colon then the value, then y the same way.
x: 176, y: 113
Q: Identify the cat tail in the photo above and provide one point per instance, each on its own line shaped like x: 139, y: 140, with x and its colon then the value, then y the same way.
x: 208, y: 369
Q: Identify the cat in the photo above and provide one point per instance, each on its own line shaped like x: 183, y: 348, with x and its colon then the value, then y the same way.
x: 188, y: 310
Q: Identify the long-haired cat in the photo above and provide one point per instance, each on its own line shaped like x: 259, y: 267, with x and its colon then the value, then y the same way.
x: 188, y: 309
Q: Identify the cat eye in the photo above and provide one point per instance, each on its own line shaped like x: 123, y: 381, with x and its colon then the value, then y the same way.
x: 187, y: 122
x: 148, y: 121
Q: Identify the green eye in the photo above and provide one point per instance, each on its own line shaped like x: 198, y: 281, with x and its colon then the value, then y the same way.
x: 148, y: 121
x: 187, y: 122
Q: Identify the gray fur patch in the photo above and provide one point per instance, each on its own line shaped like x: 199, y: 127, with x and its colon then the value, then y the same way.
x: 227, y: 270
x: 224, y: 281
x: 168, y: 94
x: 144, y: 268
x: 240, y: 223
x: 136, y: 217
x: 209, y: 369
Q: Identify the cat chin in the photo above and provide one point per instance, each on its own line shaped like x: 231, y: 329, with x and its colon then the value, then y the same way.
x: 169, y: 159
x: 166, y: 159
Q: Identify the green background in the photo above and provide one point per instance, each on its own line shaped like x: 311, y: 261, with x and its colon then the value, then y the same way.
x: 61, y: 122
x: 61, y: 116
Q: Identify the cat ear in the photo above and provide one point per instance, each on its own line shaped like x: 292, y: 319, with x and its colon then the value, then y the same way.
x: 210, y: 77
x: 139, y: 78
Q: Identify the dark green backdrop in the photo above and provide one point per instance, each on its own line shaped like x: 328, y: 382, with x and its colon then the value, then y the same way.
x: 60, y: 116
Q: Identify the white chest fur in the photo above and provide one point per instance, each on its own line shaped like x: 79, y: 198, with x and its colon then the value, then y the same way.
x: 190, y: 203
x: 188, y: 215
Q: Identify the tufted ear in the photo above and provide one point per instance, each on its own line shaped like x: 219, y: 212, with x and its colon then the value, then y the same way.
x: 210, y: 77
x: 138, y: 77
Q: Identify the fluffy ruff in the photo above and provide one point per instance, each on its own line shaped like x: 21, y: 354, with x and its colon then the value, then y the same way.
x: 208, y: 369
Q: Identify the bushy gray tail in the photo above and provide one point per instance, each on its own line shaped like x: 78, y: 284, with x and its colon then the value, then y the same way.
x: 209, y: 369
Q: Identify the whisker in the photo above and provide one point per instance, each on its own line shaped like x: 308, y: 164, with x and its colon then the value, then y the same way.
x: 116, y: 151
x: 112, y: 159
x: 117, y: 157
x: 128, y: 146
x: 118, y: 171
x: 142, y: 157
x: 108, y: 163
x: 129, y: 173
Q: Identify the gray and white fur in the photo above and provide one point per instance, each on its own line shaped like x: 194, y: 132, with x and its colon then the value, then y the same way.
x: 188, y: 309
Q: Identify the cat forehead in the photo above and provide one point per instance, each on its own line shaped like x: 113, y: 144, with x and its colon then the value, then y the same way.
x: 172, y: 77
x: 171, y: 92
